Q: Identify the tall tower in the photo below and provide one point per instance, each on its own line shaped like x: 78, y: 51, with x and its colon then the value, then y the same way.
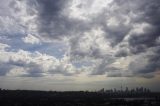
x: 121, y: 88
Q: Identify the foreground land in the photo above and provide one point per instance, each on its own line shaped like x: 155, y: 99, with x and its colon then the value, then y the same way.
x: 77, y: 98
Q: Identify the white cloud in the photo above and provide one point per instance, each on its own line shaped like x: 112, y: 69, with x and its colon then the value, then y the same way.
x: 3, y: 46
x: 84, y: 9
x: 91, y: 44
x: 140, y: 28
x: 25, y: 63
x: 31, y: 39
x: 113, y: 22
x: 10, y: 27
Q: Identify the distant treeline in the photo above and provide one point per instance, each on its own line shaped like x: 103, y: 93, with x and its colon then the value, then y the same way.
x: 78, y: 98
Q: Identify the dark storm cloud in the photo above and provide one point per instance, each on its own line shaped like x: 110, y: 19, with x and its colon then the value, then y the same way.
x: 116, y: 34
x: 52, y: 19
x: 118, y: 73
x: 154, y: 63
x: 122, y: 53
x: 151, y: 15
x: 146, y: 11
x: 140, y: 43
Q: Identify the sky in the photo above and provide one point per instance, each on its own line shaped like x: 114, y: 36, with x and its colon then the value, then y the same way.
x: 79, y: 44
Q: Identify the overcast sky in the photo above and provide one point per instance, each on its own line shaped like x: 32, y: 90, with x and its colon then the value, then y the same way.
x: 79, y: 44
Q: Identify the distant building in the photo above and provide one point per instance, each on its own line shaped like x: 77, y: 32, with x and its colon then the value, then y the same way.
x: 102, y: 90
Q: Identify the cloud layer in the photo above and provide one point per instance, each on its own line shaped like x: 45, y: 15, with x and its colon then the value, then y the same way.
x: 115, y: 38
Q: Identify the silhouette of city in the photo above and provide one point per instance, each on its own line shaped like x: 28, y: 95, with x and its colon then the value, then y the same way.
x: 114, y: 97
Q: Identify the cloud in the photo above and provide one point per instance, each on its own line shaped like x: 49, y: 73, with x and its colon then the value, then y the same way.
x: 114, y: 37
x: 34, y: 64
x: 31, y: 39
x: 126, y: 40
x: 49, y: 19
x: 4, y: 69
